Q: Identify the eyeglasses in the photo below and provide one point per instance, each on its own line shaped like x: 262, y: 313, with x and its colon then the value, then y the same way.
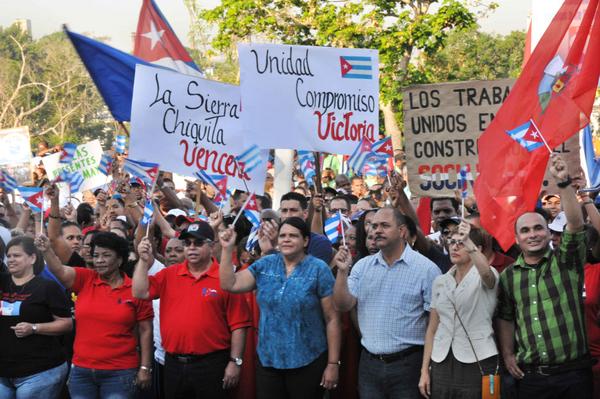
x: 458, y: 243
x: 196, y: 243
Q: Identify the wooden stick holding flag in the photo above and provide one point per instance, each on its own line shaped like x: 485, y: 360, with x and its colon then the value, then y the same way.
x: 242, y: 209
x: 342, y: 228
x: 541, y: 136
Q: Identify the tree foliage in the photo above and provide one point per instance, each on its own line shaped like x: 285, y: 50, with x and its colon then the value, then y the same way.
x: 44, y: 85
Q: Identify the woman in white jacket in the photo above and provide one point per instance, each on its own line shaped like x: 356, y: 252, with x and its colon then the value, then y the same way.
x: 459, y: 343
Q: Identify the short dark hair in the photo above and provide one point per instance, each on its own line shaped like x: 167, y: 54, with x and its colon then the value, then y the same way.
x: 105, y: 239
x: 329, y: 190
x: 453, y: 200
x: 85, y: 213
x: 343, y: 198
x: 293, y: 196
x: 237, y: 194
x: 68, y: 223
x: 119, y: 199
x: 297, y: 223
x: 28, y: 246
x: 399, y: 217
x: 355, y: 177
x: 265, y: 201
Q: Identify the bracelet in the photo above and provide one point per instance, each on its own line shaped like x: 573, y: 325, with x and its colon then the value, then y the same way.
x: 148, y: 369
x: 338, y: 363
x: 565, y: 183
x: 54, y: 217
x: 587, y: 202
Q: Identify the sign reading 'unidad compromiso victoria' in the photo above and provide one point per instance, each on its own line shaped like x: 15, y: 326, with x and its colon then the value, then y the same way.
x: 190, y: 124
x: 311, y: 98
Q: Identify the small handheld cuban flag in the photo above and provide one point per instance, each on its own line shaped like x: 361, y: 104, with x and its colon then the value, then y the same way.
x: 376, y: 166
x: 148, y: 212
x: 383, y: 147
x: 120, y: 144
x: 34, y: 197
x: 528, y: 136
x: 333, y: 228
x: 73, y: 179
x: 106, y: 164
x: 356, y: 67
x: 306, y: 160
x: 359, y: 157
x: 462, y: 182
x: 7, y: 182
x: 219, y: 182
x: 68, y: 153
x: 251, y: 210
x: 249, y: 159
x: 146, y: 171
x: 252, y: 238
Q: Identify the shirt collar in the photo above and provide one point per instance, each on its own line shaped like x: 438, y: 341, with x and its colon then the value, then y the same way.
x: 520, y: 262
x: 126, y: 281
x: 406, y: 257
x: 213, y: 270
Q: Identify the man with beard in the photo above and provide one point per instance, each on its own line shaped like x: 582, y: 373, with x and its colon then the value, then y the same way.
x: 540, y: 308
x: 392, y: 292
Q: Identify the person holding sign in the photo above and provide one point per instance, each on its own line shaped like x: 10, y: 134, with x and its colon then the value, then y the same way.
x: 299, y: 330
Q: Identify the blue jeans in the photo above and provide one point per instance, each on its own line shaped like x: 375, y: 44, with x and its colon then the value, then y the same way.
x: 394, y: 380
x: 45, y: 384
x: 87, y: 383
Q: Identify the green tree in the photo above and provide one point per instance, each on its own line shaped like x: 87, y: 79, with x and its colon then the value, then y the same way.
x: 398, y: 29
x: 472, y: 54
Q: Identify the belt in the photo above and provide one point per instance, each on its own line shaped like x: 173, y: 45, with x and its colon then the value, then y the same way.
x: 191, y: 358
x: 392, y: 357
x: 552, y: 369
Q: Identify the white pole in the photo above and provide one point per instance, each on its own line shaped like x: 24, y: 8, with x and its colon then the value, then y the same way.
x: 284, y: 166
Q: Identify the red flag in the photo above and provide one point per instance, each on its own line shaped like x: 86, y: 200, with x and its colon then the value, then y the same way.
x: 156, y: 42
x: 554, y: 93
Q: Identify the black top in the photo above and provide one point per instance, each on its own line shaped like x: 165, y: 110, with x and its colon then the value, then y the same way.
x: 34, y: 302
x: 76, y: 260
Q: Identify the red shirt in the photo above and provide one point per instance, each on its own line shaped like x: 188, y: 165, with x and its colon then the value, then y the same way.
x: 105, y: 322
x: 196, y: 316
x: 591, y: 304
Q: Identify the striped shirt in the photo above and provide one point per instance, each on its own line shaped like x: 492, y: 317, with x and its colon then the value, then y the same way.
x: 392, y: 301
x: 545, y: 302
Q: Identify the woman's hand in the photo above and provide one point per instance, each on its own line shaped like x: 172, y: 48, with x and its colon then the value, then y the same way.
x: 343, y: 259
x: 143, y: 378
x: 23, y: 329
x: 145, y: 252
x: 227, y: 238
x: 425, y: 384
x: 330, y: 376
x: 42, y: 243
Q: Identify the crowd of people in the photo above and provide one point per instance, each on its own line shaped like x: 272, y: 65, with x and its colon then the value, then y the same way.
x: 95, y: 304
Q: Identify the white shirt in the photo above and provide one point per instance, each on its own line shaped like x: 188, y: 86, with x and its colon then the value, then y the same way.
x: 475, y: 304
x: 159, y: 352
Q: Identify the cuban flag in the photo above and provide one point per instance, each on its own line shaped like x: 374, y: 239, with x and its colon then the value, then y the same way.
x: 462, y: 182
x: 383, y: 146
x: 68, y: 153
x: 592, y: 162
x: 376, y: 166
x: 249, y: 159
x: 219, y: 182
x: 147, y: 172
x: 155, y: 41
x: 333, y: 228
x: 120, y: 144
x: 148, y: 212
x: 359, y: 157
x: 7, y: 182
x: 306, y: 160
x: 251, y: 210
x: 252, y: 238
x: 73, y: 179
x: 356, y: 67
x: 34, y: 197
x: 106, y: 163
x: 527, y: 135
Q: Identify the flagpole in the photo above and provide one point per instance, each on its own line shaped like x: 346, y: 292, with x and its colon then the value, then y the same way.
x: 541, y: 136
x: 241, y: 210
x: 149, y: 198
x: 343, y: 234
x: 241, y: 170
x: 42, y: 215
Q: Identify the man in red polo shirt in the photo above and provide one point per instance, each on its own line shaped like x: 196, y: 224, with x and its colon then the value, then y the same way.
x: 203, y: 328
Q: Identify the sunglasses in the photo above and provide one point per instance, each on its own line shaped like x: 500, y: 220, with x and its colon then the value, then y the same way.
x: 196, y: 243
x: 458, y: 243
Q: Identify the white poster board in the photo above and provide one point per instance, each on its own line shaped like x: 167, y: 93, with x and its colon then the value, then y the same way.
x: 312, y: 98
x: 185, y: 123
x: 86, y: 159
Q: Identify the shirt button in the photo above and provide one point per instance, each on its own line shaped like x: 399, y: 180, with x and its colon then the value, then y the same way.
x: 534, y: 302
x: 539, y: 336
x: 533, y: 285
x: 544, y: 353
x: 535, y: 318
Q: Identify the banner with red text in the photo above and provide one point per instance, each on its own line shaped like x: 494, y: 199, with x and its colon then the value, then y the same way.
x: 185, y: 123
x: 314, y: 98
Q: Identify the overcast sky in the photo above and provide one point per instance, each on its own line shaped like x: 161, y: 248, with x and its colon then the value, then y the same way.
x: 117, y: 19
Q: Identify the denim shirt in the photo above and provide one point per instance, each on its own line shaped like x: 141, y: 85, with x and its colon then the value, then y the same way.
x: 291, y: 330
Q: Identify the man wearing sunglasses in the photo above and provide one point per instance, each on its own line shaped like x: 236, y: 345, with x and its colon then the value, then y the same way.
x: 203, y: 328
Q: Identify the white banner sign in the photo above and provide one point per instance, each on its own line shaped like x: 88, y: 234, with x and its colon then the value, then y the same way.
x: 185, y: 123
x: 310, y: 98
x: 14, y: 146
x: 86, y: 159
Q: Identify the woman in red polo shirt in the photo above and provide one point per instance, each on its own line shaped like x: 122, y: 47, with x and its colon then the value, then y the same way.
x: 106, y: 363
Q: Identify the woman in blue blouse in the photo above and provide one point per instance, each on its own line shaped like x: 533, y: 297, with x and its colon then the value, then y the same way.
x: 299, y: 330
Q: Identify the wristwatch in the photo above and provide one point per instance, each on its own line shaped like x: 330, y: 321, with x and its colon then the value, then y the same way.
x: 237, y: 360
x: 34, y: 328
